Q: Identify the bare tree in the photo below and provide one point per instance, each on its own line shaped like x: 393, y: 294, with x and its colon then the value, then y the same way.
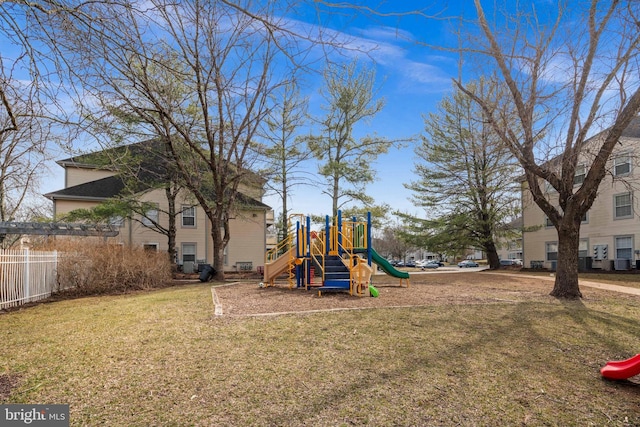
x: 568, y: 77
x: 23, y: 149
x: 283, y: 153
x: 196, y: 74
x: 392, y: 244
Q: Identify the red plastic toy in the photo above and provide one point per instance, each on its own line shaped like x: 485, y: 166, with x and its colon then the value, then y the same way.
x: 621, y: 369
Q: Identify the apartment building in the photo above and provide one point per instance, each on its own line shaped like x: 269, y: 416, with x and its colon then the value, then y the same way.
x: 90, y: 180
x: 610, y: 231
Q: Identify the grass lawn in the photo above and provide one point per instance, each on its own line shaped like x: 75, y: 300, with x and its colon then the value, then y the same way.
x: 630, y: 278
x: 162, y: 358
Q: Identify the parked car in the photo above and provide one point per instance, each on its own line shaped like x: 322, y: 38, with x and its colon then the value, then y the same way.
x: 410, y: 264
x: 468, y: 263
x: 430, y: 264
x: 510, y: 263
x: 422, y: 262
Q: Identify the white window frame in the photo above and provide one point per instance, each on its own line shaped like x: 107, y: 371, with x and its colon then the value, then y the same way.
x: 617, y: 239
x: 620, y: 160
x: 548, y: 188
x: 583, y: 248
x: 547, y: 222
x: 188, y: 209
x: 580, y: 175
x: 151, y: 246
x: 183, y: 253
x: 151, y: 215
x: 616, y: 206
x: 116, y: 221
x: 547, y: 252
x: 515, y: 244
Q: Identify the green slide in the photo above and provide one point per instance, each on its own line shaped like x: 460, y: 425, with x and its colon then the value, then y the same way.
x: 387, y: 267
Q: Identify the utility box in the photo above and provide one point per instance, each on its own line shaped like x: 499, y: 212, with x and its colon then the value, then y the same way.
x: 585, y: 263
x: 601, y: 251
x: 188, y: 267
x: 623, y: 264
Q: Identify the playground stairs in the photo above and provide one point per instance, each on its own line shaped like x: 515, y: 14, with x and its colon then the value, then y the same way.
x: 336, y: 274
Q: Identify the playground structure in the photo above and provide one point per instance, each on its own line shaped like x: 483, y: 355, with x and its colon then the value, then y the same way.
x: 337, y: 258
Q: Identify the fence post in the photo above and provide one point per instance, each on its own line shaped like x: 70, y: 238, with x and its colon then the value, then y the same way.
x: 55, y: 271
x: 26, y: 274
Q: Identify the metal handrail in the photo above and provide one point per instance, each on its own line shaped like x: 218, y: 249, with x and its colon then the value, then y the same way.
x: 315, y: 251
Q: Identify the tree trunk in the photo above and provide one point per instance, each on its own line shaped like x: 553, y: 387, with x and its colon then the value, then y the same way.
x: 566, y: 284
x: 218, y: 248
x: 492, y: 256
x: 285, y: 214
x: 171, y: 234
x: 489, y: 245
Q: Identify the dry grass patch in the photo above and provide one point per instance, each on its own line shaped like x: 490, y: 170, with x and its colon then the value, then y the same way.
x: 620, y: 278
x: 475, y: 351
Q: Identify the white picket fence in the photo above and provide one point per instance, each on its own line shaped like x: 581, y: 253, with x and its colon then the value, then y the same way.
x: 26, y: 276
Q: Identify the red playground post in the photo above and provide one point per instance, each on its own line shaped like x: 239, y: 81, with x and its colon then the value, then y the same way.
x: 621, y: 369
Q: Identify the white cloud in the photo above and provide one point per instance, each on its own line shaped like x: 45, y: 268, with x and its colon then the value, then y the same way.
x: 382, y: 45
x: 386, y: 33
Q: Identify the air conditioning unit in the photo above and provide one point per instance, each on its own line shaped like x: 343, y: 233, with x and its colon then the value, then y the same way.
x: 623, y: 264
x: 188, y: 267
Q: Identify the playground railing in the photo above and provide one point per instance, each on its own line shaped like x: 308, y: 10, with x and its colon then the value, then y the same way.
x: 281, y: 248
x: 344, y: 244
x: 294, y: 221
x: 318, y: 249
x: 354, y: 234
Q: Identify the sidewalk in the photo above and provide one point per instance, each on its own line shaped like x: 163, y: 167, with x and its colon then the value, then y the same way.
x: 586, y: 283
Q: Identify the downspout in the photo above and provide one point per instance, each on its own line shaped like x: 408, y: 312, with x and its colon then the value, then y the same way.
x: 207, y: 238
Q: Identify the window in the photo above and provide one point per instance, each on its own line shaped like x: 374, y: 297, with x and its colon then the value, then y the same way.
x: 622, y: 206
x: 552, y: 251
x: 624, y: 247
x: 583, y: 248
x: 188, y: 216
x: 515, y: 244
x: 581, y: 173
x: 622, y: 164
x: 116, y: 221
x: 547, y: 222
x: 585, y: 218
x: 151, y: 247
x: 150, y: 217
x: 548, y: 188
x: 188, y: 252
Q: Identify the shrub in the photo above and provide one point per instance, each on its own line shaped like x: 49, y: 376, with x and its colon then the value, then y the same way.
x: 87, y: 267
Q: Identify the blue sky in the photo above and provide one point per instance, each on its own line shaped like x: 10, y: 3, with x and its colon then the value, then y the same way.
x: 412, y: 78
